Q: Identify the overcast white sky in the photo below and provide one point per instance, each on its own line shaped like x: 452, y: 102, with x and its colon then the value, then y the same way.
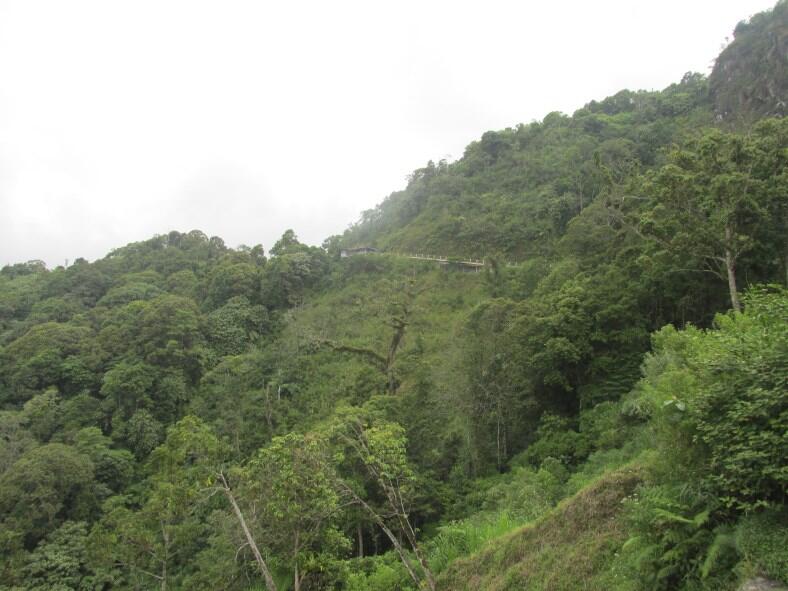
x: 123, y: 119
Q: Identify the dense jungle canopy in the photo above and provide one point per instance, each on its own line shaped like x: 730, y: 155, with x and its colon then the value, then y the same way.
x: 602, y: 405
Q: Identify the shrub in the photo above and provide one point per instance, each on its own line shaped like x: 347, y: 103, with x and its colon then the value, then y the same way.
x: 762, y: 540
x: 718, y: 403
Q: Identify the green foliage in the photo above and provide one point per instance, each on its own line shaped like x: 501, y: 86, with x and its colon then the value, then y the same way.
x: 38, y: 359
x: 475, y: 424
x: 113, y: 468
x: 762, y: 540
x: 60, y: 562
x: 15, y: 438
x: 576, y: 541
x: 294, y: 269
x: 516, y: 498
x: 456, y: 540
x: 142, y: 433
x: 717, y: 198
x: 250, y: 415
x: 43, y: 488
x: 152, y: 541
x: 127, y: 293
x: 515, y: 190
x: 556, y: 439
x: 43, y: 414
x: 676, y: 545
x: 128, y: 386
x: 725, y: 390
x: 379, y: 573
x: 296, y: 503
x: 231, y: 328
x: 741, y: 412
x: 603, y: 461
x: 163, y: 331
x: 717, y: 401
x: 491, y: 404
x: 232, y: 280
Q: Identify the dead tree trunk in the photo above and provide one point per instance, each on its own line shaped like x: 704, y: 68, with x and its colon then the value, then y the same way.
x: 390, y: 535
x: 166, y: 537
x: 392, y: 490
x: 730, y: 268
x: 399, y: 323
x: 269, y: 581
x: 296, y: 575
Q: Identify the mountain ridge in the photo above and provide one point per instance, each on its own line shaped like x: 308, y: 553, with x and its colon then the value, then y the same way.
x: 601, y: 404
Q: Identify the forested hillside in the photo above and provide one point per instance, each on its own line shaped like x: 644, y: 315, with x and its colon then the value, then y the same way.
x: 602, y: 405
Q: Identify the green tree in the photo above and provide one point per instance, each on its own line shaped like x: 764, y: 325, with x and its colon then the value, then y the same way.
x: 44, y: 414
x: 287, y: 244
x: 714, y: 200
x: 293, y: 269
x: 150, y: 542
x: 231, y: 328
x: 233, y: 280
x: 291, y: 483
x: 37, y: 360
x: 127, y: 387
x: 15, y: 438
x: 492, y: 406
x: 399, y: 310
x: 719, y: 405
x: 45, y: 487
x: 60, y: 562
x: 113, y: 468
x: 374, y: 450
x: 142, y: 433
x: 164, y: 332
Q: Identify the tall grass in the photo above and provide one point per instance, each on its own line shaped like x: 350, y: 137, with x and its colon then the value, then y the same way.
x: 463, y: 538
x: 283, y: 580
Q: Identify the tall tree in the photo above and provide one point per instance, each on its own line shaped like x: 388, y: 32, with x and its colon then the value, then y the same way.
x: 375, y: 450
x: 491, y: 404
x: 715, y: 199
x: 290, y: 481
x: 147, y: 543
x: 399, y: 312
x: 43, y: 488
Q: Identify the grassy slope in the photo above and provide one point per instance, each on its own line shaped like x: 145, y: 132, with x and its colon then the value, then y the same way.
x: 570, y: 548
x: 356, y: 311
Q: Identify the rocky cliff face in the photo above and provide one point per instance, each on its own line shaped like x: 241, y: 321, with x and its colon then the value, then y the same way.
x: 750, y: 76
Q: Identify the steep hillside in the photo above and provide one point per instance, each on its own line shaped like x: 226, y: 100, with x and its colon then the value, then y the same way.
x: 514, y: 191
x: 575, y: 542
x: 750, y: 76
x: 600, y: 404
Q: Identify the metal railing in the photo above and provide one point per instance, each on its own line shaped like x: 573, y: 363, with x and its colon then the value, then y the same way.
x: 442, y: 259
